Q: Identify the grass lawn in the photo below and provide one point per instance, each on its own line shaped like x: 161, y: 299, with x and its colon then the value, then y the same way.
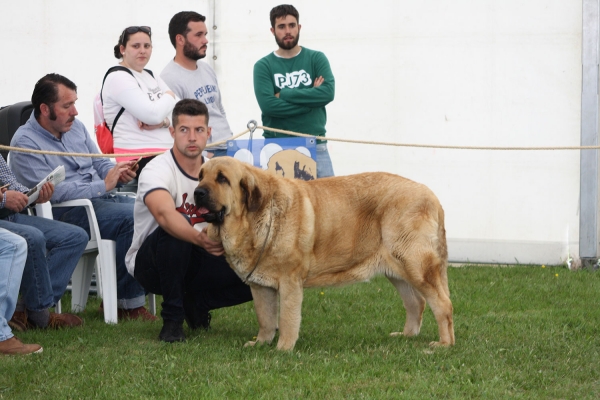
x: 521, y: 332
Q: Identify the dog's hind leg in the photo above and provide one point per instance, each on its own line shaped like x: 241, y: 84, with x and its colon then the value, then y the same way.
x: 265, y: 306
x: 414, y: 303
x: 290, y: 310
x: 427, y: 273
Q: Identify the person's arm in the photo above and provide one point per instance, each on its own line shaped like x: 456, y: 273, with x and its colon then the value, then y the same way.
x: 162, y: 207
x: 13, y: 196
x: 32, y: 168
x: 264, y: 90
x: 166, y: 122
x: 7, y: 177
x: 102, y: 165
x: 220, y: 100
x: 124, y: 90
x: 319, y: 95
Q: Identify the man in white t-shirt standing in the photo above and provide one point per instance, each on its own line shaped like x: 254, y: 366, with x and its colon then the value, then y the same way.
x: 190, y: 78
x: 170, y: 253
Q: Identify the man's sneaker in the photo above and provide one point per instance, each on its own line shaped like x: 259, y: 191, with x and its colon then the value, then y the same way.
x: 172, y: 332
x: 136, y: 313
x: 18, y: 322
x: 58, y: 321
x: 194, y: 317
x: 14, y: 346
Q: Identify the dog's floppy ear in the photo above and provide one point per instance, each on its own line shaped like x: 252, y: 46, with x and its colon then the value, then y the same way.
x: 251, y: 195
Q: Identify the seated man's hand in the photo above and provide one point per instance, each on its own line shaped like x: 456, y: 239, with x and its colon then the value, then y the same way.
x: 114, y: 175
x: 15, y: 201
x: 212, y: 247
x: 46, y: 193
x: 129, y: 174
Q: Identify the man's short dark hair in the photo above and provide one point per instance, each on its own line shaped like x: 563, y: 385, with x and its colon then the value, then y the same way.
x: 191, y: 107
x: 283, y: 11
x: 179, y: 23
x: 46, y: 91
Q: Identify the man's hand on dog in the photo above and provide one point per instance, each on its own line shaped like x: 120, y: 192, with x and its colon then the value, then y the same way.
x: 211, y: 246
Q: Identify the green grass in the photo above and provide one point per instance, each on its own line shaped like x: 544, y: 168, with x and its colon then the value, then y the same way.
x: 521, y: 332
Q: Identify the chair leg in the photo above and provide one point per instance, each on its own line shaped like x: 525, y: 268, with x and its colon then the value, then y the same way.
x: 80, y: 282
x: 58, y: 307
x: 98, y: 280
x: 107, y: 275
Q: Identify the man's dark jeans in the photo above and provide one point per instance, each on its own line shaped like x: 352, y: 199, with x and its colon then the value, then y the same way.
x: 171, y: 267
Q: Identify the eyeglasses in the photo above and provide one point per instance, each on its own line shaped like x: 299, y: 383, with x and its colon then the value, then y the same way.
x: 135, y: 29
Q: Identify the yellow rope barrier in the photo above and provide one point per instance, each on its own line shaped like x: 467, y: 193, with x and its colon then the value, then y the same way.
x: 430, y: 146
x: 59, y: 153
x: 291, y: 133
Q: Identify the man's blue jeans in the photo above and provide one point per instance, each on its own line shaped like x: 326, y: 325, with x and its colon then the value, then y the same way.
x: 53, y: 249
x: 13, y: 253
x: 324, y: 165
x: 115, y: 220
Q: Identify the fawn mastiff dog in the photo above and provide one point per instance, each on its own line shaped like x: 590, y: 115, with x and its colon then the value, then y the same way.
x: 282, y: 235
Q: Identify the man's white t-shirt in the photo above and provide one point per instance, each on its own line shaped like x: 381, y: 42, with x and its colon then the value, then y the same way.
x: 162, y: 173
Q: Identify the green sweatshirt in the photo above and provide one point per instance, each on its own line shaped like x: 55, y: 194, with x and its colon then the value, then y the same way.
x: 300, y: 106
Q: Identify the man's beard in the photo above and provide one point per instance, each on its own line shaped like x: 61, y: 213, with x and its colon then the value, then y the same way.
x: 291, y: 45
x: 192, y: 52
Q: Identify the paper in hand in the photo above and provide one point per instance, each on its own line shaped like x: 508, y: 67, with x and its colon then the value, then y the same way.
x: 55, y: 177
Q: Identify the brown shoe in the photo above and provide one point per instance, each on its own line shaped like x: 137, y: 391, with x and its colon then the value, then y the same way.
x: 18, y: 322
x: 136, y: 313
x: 14, y: 346
x: 64, y: 321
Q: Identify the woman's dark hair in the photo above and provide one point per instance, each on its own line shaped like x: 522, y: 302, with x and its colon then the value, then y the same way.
x: 124, y: 38
x: 46, y: 91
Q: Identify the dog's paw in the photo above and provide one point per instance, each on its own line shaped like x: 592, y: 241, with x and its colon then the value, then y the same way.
x: 439, y: 344
x: 250, y: 343
x: 282, y: 346
x: 394, y: 334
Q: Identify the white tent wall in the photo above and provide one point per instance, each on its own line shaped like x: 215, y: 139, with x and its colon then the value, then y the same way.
x: 473, y: 73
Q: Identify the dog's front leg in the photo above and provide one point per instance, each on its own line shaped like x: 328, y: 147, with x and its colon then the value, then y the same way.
x: 265, y: 306
x: 290, y: 310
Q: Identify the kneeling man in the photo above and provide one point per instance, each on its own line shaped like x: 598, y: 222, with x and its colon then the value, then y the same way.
x: 171, y: 254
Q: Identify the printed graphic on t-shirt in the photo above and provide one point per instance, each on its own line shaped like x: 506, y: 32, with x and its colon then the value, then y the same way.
x: 292, y: 79
x: 154, y: 93
x: 190, y: 210
x: 203, y: 93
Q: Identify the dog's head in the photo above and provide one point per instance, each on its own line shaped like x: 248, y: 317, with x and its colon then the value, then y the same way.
x: 227, y: 186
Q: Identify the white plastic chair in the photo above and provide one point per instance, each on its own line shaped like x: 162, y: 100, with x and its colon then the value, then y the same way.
x: 98, y: 251
x: 104, y: 250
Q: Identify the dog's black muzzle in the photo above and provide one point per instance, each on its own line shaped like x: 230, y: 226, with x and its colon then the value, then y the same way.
x: 202, y: 200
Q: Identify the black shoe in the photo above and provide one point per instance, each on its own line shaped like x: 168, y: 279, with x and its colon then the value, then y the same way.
x: 204, y: 320
x: 172, y: 332
x: 193, y: 316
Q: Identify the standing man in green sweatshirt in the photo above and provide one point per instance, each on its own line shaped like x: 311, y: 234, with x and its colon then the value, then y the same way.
x: 294, y: 84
